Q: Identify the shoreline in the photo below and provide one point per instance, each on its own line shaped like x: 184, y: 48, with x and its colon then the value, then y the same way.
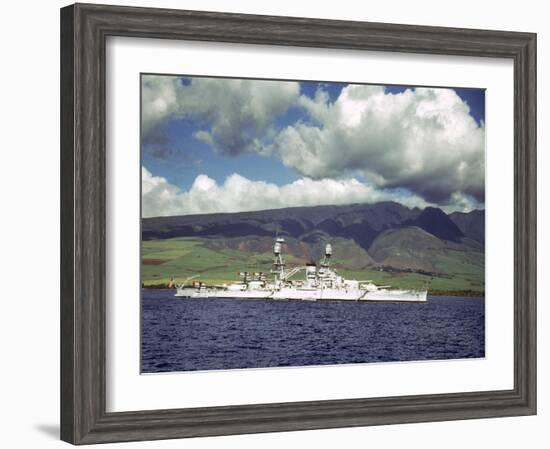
x: 460, y: 293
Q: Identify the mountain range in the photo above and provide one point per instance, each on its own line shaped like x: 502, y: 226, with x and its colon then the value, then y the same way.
x: 386, y: 235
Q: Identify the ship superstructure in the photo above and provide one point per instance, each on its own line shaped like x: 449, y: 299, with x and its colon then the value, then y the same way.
x: 319, y: 283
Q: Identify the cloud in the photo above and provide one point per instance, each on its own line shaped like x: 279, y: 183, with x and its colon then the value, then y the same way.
x: 462, y: 203
x: 237, y: 114
x: 158, y: 196
x: 239, y: 194
x: 424, y: 140
x: 159, y: 151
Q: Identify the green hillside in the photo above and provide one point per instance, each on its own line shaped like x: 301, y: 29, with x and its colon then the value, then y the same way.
x: 187, y: 256
x: 451, y: 269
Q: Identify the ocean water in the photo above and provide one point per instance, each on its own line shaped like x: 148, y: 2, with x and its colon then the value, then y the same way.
x: 211, y: 334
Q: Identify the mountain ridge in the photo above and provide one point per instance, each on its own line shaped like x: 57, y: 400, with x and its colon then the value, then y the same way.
x: 362, y: 222
x: 387, y: 240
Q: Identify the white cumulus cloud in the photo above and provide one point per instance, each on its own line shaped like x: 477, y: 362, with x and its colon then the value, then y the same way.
x: 424, y: 140
x: 237, y: 114
x: 239, y: 194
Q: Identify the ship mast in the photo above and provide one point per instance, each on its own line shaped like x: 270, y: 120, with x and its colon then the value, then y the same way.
x: 323, y: 274
x: 328, y: 253
x: 278, y: 263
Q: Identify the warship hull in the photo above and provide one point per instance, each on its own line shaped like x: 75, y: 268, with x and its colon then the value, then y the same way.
x: 305, y: 294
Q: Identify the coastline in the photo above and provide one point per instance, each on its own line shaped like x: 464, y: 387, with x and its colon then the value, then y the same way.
x: 462, y: 293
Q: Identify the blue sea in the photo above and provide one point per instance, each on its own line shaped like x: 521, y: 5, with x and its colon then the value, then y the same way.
x: 213, y: 334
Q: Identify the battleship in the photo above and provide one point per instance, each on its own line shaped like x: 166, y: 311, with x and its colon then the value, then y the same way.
x: 320, y: 283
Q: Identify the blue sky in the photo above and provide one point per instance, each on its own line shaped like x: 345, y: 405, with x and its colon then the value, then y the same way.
x: 282, y: 132
x: 185, y: 157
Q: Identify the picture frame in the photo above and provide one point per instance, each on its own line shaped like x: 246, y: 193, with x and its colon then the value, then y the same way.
x: 84, y: 29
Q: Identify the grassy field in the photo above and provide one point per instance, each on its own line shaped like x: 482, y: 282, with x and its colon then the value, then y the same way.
x: 180, y: 258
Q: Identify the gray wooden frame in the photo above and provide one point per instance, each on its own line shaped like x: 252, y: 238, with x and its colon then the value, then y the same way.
x: 84, y: 29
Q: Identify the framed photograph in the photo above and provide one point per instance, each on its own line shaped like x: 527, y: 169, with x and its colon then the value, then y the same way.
x: 275, y: 223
